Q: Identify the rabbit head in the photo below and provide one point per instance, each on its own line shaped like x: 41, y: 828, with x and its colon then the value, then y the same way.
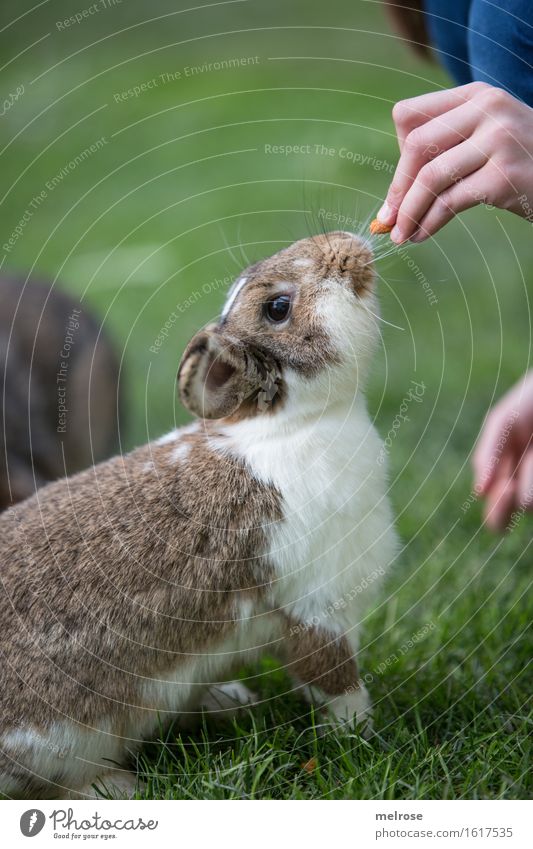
x: 300, y: 323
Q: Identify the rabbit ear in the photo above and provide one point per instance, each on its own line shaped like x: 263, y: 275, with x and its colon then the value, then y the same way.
x: 218, y: 373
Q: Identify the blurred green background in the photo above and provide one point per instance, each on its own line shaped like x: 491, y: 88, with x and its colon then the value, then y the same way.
x: 183, y: 188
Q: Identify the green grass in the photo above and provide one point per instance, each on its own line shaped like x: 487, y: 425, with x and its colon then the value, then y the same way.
x: 452, y: 718
x: 144, y: 224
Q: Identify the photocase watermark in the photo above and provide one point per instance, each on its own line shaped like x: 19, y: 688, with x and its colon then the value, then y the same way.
x: 318, y: 149
x: 182, y: 307
x: 184, y: 73
x: 394, y: 657
x: 32, y: 822
x: 517, y: 515
x: 40, y: 197
x: 339, y: 604
x: 11, y: 99
x: 415, y: 395
x: 455, y: 176
x: 12, y: 722
x: 65, y: 824
x: 64, y: 819
x: 339, y: 220
x: 73, y: 324
x: 494, y: 459
x: 420, y: 276
x: 88, y: 12
x: 72, y: 164
x: 526, y: 208
x: 23, y: 222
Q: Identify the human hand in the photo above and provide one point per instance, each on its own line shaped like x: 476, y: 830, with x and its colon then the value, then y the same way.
x: 458, y: 148
x: 503, y: 457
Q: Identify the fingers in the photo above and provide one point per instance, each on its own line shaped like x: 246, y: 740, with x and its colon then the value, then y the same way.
x: 501, y: 498
x: 524, y: 483
x: 503, y: 464
x: 430, y: 184
x: 491, y: 445
x: 466, y: 193
x: 412, y: 113
x: 511, y: 490
x: 423, y: 145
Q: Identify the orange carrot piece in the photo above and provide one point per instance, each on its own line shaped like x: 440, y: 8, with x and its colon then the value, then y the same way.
x: 377, y: 228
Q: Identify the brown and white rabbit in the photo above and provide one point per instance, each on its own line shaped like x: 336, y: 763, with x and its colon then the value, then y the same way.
x: 132, y: 588
x: 59, y: 378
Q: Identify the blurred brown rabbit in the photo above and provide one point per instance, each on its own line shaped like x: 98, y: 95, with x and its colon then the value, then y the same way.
x: 59, y: 380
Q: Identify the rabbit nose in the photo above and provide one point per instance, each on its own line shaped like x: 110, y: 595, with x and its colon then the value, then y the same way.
x: 352, y: 258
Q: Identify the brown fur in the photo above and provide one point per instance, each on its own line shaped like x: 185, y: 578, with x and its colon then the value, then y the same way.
x: 220, y: 376
x: 241, y: 359
x: 114, y: 577
x: 101, y: 591
x: 317, y: 657
x: 305, y: 346
x: 160, y: 545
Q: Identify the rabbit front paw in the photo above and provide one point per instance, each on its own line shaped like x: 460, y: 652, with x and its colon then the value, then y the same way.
x: 353, y: 707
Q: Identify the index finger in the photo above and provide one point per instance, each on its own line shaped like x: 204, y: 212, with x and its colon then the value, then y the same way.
x: 412, y: 113
x: 426, y: 142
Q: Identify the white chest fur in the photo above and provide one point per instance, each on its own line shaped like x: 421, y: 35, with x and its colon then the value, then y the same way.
x: 337, y: 538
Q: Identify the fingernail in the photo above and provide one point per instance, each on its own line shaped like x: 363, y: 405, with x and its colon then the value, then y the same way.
x: 396, y: 235
x: 385, y: 214
x: 418, y: 236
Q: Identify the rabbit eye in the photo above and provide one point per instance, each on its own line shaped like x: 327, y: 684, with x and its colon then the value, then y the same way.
x: 278, y: 308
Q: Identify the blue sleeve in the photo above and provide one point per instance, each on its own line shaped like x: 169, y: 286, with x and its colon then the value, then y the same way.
x: 489, y: 40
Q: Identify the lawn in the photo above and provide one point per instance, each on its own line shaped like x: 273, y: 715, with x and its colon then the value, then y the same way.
x: 152, y: 150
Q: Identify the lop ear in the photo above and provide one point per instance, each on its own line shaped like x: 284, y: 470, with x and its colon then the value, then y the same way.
x: 218, y: 374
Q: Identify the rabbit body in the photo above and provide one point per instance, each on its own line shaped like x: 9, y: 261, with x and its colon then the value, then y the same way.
x: 133, y: 588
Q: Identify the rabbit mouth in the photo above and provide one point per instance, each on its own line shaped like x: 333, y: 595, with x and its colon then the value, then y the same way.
x: 349, y: 258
